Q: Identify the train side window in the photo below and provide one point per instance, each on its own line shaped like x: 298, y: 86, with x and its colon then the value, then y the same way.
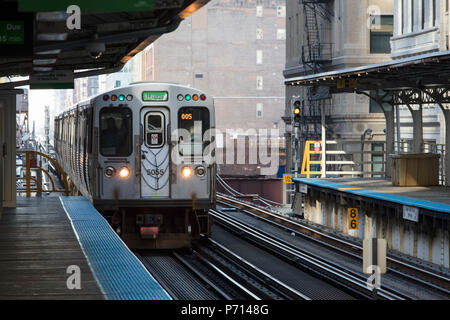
x: 89, y: 129
x: 154, y: 129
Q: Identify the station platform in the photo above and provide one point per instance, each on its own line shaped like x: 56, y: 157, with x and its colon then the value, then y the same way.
x: 44, y: 239
x: 414, y: 220
x: 434, y: 198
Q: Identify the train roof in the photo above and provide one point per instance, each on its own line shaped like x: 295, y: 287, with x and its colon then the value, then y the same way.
x: 137, y: 83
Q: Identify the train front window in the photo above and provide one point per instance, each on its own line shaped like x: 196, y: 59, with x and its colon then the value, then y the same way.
x: 196, y: 121
x: 116, y: 132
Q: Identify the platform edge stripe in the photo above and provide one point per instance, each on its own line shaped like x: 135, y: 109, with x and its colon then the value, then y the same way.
x: 424, y: 204
x: 110, y: 277
x: 82, y: 249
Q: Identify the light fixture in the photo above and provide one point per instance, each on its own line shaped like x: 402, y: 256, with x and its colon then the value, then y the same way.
x: 186, y: 172
x: 43, y: 62
x: 200, y: 171
x: 109, y: 171
x: 124, y: 172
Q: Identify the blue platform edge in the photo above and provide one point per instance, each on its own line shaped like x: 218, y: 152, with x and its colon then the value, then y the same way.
x: 118, y: 272
x: 428, y: 205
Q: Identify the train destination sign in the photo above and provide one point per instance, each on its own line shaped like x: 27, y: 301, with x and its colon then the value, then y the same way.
x: 155, y: 96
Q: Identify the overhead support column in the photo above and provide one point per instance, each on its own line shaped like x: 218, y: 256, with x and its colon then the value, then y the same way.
x: 417, y: 129
x: 447, y: 145
x: 8, y: 103
x: 324, y: 142
x: 390, y: 138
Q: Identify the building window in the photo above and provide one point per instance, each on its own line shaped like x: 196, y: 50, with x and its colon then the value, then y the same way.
x: 259, y: 57
x: 259, y: 11
x: 259, y: 33
x: 259, y: 83
x: 117, y: 85
x: 380, y: 36
x: 259, y: 110
x: 281, y: 11
x: 281, y: 34
x: 411, y: 11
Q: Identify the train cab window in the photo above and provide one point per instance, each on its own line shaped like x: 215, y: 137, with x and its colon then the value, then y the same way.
x: 115, y: 132
x: 154, y: 129
x: 196, y: 121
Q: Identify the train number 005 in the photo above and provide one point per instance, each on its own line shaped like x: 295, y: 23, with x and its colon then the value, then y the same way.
x: 186, y: 116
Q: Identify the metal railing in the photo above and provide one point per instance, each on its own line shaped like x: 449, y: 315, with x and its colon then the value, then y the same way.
x: 33, y: 171
x: 341, y: 162
x: 344, y: 160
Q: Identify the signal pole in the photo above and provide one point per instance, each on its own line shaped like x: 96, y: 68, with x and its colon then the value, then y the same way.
x: 297, y: 114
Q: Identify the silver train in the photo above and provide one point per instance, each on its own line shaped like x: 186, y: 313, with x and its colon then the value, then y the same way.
x: 143, y: 156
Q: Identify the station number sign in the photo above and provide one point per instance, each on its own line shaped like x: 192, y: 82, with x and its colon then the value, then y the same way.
x: 353, y: 219
x: 287, y: 178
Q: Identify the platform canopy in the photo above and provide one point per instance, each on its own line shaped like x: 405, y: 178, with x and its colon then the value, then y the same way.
x: 36, y: 38
x: 427, y: 70
x: 412, y: 82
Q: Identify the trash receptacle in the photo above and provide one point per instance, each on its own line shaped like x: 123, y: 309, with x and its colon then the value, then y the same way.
x: 415, y: 169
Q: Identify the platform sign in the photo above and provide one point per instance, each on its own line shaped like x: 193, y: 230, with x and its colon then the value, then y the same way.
x: 411, y: 213
x: 303, y: 188
x: 353, y: 219
x: 287, y: 178
x: 317, y: 147
x: 12, y: 32
x: 60, y: 79
x: 86, y: 5
x: 16, y: 32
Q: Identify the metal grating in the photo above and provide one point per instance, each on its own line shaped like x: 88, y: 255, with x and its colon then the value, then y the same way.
x: 120, y: 275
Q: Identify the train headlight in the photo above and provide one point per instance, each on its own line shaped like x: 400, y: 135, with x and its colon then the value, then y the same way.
x: 200, y: 171
x: 124, y: 172
x: 186, y: 172
x: 109, y: 171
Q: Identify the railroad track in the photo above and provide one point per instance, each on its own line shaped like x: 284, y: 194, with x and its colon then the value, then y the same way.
x: 339, y: 276
x: 223, y: 273
x: 436, y: 282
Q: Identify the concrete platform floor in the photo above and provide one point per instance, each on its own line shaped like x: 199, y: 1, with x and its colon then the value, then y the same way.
x: 438, y: 194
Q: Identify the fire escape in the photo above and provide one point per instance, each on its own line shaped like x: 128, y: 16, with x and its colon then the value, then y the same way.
x: 316, y: 55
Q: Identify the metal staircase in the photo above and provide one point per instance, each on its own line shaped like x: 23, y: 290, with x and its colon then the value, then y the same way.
x: 316, y: 55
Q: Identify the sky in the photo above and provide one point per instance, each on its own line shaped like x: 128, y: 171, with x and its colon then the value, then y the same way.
x: 37, y: 100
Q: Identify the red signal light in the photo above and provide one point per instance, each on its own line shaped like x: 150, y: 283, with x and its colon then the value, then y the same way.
x: 105, y: 97
x: 203, y: 97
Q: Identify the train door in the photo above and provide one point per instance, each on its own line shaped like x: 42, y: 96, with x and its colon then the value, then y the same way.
x: 154, y: 152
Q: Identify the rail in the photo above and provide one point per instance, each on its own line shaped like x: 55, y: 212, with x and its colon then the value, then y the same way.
x: 32, y: 164
x: 332, y: 272
x: 421, y: 276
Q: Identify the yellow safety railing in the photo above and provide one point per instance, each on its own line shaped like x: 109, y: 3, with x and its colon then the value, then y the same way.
x: 307, y: 162
x: 28, y: 178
